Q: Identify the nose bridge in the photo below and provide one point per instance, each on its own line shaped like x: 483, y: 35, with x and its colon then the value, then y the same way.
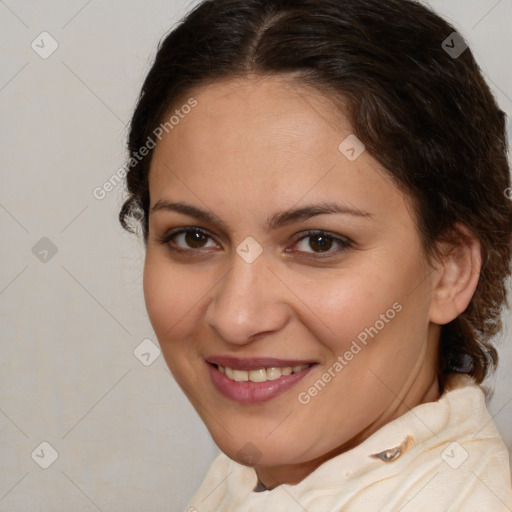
x: 246, y: 302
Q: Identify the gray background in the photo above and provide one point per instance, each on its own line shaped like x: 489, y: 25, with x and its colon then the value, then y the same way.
x: 127, y: 439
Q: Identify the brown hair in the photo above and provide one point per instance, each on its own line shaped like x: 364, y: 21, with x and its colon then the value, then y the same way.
x: 425, y: 113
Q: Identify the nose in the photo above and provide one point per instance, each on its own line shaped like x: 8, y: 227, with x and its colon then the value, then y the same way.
x: 248, y: 302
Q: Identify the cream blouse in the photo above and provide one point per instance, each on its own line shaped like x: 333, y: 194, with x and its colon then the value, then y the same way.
x: 438, y: 457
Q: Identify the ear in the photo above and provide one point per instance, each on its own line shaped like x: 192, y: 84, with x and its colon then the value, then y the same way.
x: 457, y: 273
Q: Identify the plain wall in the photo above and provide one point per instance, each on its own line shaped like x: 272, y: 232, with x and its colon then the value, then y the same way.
x: 126, y: 437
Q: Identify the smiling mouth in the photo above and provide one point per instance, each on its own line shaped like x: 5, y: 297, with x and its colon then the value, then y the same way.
x: 254, y: 380
x: 260, y: 374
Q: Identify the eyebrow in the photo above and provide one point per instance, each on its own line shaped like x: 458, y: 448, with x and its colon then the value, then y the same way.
x: 277, y: 220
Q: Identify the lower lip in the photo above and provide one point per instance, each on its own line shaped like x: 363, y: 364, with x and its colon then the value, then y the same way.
x: 253, y: 392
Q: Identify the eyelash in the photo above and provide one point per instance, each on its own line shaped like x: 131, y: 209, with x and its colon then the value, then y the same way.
x: 344, y: 244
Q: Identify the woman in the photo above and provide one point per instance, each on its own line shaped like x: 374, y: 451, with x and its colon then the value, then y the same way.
x: 321, y: 188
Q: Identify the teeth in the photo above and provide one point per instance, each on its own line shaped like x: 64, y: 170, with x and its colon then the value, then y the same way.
x: 257, y: 375
x: 273, y: 373
x: 260, y: 375
x: 240, y: 375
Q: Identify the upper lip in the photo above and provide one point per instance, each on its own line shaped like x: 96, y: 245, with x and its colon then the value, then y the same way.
x: 255, y: 363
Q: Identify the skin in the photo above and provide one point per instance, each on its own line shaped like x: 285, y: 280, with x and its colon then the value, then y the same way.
x: 251, y: 148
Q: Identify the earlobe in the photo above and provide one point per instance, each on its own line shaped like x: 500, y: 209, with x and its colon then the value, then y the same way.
x: 458, y: 273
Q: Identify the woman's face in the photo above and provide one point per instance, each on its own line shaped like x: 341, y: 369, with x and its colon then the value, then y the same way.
x: 295, y: 315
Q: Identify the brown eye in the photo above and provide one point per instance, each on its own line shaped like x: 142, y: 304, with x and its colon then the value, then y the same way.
x: 320, y: 243
x: 187, y: 239
x: 317, y: 242
x: 195, y: 239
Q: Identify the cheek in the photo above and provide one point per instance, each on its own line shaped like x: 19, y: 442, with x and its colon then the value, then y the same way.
x: 172, y: 297
x: 340, y: 306
x: 170, y: 294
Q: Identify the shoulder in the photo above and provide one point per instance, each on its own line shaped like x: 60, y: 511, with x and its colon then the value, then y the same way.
x: 225, y: 484
x: 463, y: 463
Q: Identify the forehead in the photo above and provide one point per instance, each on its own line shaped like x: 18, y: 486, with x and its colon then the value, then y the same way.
x: 252, y: 122
x: 276, y: 93
x: 275, y: 108
x: 263, y: 142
